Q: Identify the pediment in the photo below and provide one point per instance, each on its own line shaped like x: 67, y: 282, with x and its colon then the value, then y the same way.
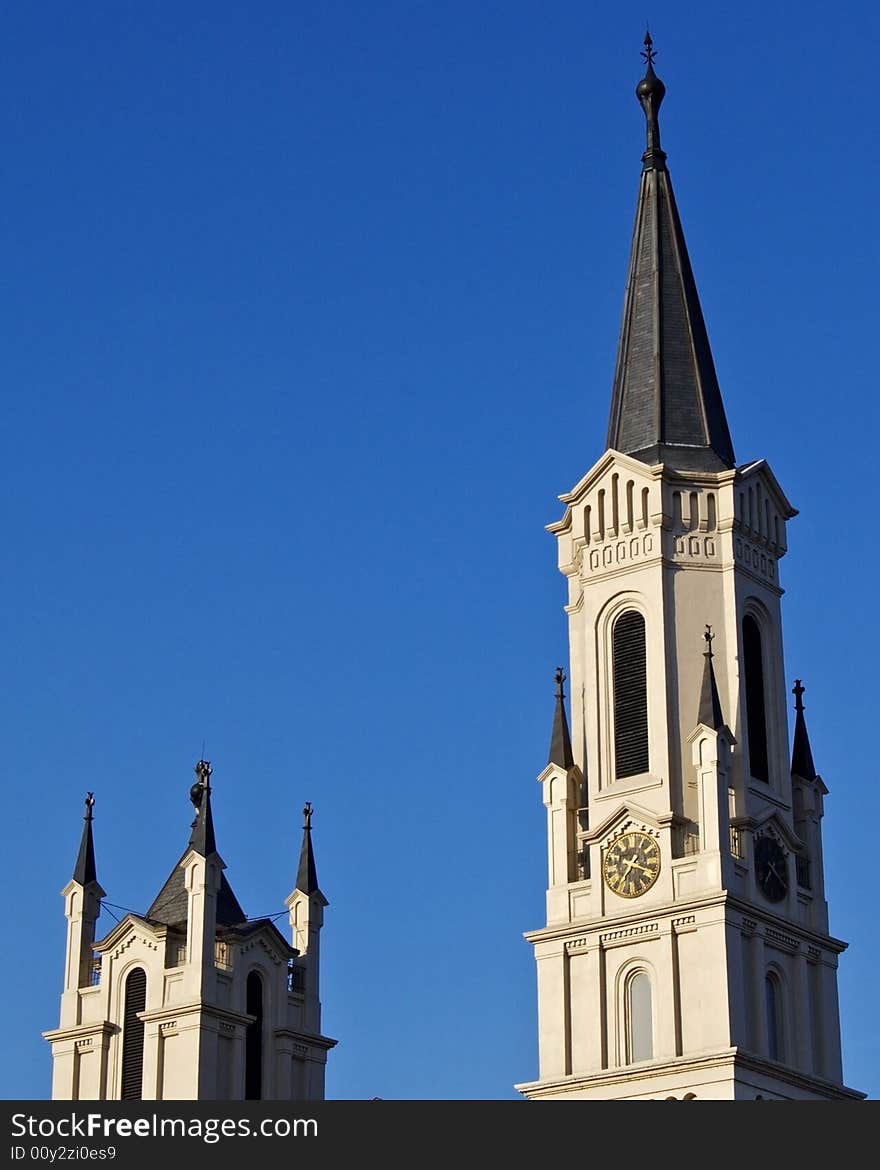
x: 131, y: 931
x: 772, y: 822
x: 626, y: 816
x: 760, y: 469
x: 611, y: 462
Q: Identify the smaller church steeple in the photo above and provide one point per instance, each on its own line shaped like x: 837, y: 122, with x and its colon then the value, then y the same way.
x: 801, y: 755
x: 85, y: 870
x: 560, y: 740
x: 710, y: 705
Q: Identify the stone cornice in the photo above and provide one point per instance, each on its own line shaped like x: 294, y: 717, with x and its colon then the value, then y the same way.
x: 82, y: 1031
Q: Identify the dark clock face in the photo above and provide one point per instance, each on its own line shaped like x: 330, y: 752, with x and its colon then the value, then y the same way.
x: 631, y: 864
x: 771, y: 868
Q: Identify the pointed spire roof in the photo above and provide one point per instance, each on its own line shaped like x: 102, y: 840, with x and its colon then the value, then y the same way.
x: 85, y: 870
x: 801, y: 754
x: 710, y: 705
x: 307, y: 874
x: 202, y: 837
x: 560, y: 740
x: 666, y: 405
x: 170, y: 906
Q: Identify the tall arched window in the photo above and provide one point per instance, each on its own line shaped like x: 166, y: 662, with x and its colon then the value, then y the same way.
x: 135, y: 1001
x: 639, y: 1018
x: 756, y: 719
x: 774, y: 1017
x: 630, y: 677
x: 253, y: 1044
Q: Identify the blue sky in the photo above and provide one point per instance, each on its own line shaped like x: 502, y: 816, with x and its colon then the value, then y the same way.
x: 309, y: 313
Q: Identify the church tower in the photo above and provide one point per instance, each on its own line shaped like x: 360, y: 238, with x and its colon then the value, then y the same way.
x: 191, y: 1000
x: 686, y: 952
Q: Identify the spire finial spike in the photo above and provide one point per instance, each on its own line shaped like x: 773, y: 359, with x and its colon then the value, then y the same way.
x: 90, y: 804
x: 710, y: 703
x: 560, y: 679
x: 307, y: 815
x: 797, y: 690
x: 84, y: 871
x: 649, y: 52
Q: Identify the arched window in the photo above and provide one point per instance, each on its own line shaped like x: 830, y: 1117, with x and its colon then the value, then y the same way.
x: 756, y: 719
x: 135, y: 1000
x: 630, y: 694
x: 774, y: 1017
x: 253, y: 1044
x: 640, y: 1018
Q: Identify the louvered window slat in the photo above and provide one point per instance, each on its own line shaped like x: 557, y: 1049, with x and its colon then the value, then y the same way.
x: 133, y: 1036
x: 630, y: 695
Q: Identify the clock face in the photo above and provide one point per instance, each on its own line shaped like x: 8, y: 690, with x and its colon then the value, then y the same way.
x: 771, y: 868
x: 631, y: 864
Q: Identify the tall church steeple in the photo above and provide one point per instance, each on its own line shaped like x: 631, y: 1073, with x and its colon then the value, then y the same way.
x: 686, y: 950
x: 666, y: 406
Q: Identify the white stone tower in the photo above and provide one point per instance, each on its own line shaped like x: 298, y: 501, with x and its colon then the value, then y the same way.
x: 686, y: 952
x: 191, y: 1000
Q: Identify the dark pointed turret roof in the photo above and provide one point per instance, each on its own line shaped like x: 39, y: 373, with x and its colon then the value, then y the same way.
x: 560, y: 740
x: 307, y: 874
x: 710, y: 704
x: 85, y: 870
x: 171, y: 904
x: 202, y: 837
x: 666, y: 405
x: 801, y: 753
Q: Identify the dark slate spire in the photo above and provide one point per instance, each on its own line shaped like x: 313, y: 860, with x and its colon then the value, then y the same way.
x: 801, y: 755
x: 85, y: 871
x: 307, y: 874
x: 666, y: 405
x: 560, y: 740
x: 710, y: 705
x: 202, y: 836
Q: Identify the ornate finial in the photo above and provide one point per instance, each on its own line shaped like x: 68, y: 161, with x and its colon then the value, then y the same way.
x: 709, y: 636
x: 650, y: 92
x: 560, y: 679
x: 797, y: 690
x: 307, y: 814
x: 649, y: 52
x: 203, y: 771
x: 90, y: 804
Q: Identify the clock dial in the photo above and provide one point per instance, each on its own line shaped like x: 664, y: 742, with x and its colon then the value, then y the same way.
x: 771, y: 868
x: 631, y: 864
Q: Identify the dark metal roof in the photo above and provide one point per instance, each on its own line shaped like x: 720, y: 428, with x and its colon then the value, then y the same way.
x: 85, y: 871
x: 171, y: 905
x: 666, y: 405
x: 801, y: 753
x: 710, y: 712
x: 307, y: 874
x: 560, y: 740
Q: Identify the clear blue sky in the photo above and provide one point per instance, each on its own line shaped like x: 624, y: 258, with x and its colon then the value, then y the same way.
x: 309, y: 313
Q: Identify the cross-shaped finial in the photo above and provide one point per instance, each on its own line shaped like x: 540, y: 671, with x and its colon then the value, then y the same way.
x: 797, y: 690
x: 307, y: 813
x: 649, y: 52
x: 560, y: 679
x: 203, y: 770
x: 709, y: 636
x: 90, y: 804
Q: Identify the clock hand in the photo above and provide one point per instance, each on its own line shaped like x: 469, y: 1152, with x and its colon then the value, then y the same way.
x: 643, y: 868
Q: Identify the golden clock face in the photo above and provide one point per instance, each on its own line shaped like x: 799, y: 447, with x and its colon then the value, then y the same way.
x: 631, y: 864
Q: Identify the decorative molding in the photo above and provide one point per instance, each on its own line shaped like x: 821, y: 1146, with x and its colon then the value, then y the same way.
x: 616, y: 938
x: 760, y: 563
x: 84, y: 1045
x: 784, y: 940
x: 167, y: 1026
x: 684, y: 925
x: 575, y: 944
